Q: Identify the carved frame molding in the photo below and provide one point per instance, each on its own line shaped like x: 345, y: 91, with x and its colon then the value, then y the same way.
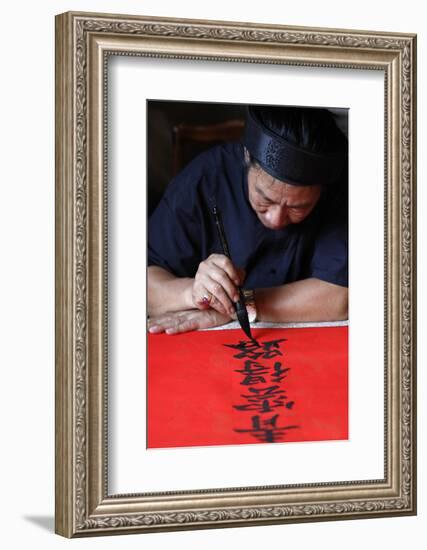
x: 83, y: 43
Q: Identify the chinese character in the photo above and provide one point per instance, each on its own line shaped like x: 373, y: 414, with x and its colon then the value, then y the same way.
x: 264, y: 350
x: 266, y: 430
x: 253, y: 373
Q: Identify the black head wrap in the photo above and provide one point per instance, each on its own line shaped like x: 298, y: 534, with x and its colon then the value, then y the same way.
x: 287, y: 161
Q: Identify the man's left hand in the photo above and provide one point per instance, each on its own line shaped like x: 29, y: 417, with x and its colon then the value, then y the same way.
x: 185, y: 321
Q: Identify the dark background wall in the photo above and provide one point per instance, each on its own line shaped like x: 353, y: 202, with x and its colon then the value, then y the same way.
x: 162, y: 116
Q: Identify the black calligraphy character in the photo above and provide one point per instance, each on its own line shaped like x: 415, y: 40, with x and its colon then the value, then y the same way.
x: 263, y: 399
x: 278, y: 372
x: 264, y: 350
x: 266, y: 430
x: 272, y: 348
x: 253, y: 373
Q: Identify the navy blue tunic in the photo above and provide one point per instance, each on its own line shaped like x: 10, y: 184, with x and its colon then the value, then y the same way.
x: 182, y: 231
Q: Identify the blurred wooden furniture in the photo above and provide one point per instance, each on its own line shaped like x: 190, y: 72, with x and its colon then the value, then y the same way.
x: 188, y: 140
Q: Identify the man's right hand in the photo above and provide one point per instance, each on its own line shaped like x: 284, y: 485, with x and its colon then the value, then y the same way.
x: 215, y: 284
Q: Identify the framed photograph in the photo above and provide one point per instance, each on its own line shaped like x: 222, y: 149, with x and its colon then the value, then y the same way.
x: 216, y: 386
x: 235, y: 274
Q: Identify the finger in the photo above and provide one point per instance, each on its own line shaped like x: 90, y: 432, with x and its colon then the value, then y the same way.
x: 165, y: 318
x: 220, y: 300
x: 171, y: 324
x: 183, y: 326
x: 204, y: 301
x: 209, y: 271
x: 156, y: 329
x: 204, y: 290
x: 198, y: 321
x: 159, y: 324
x: 221, y: 277
x: 221, y: 261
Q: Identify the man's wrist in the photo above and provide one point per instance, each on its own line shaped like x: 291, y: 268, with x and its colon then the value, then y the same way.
x: 249, y: 295
x: 187, y: 294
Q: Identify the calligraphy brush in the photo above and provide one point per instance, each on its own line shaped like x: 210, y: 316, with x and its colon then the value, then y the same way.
x: 241, y: 312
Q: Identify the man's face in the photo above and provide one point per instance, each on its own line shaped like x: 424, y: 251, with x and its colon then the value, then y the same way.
x: 279, y: 204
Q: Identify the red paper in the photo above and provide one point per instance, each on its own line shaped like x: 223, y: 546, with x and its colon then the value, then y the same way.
x: 293, y: 388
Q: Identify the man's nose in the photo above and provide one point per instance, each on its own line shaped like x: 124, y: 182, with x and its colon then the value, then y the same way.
x: 277, y: 217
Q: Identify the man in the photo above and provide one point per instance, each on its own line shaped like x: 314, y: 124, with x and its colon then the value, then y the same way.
x: 282, y: 195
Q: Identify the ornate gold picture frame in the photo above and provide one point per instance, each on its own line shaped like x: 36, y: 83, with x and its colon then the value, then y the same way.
x: 84, y: 43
